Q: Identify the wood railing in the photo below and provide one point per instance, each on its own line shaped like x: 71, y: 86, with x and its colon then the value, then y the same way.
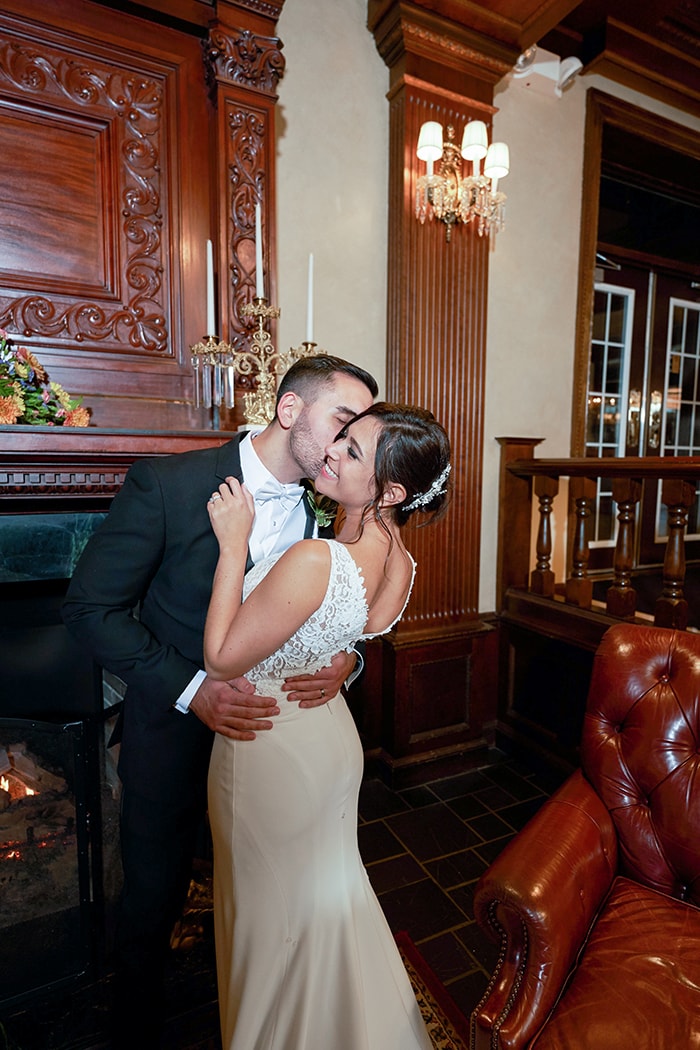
x: 524, y: 479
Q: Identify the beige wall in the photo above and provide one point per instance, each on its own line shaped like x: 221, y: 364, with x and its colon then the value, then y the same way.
x: 332, y: 200
x: 332, y: 180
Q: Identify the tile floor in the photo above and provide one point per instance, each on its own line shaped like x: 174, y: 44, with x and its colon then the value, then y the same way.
x: 424, y: 848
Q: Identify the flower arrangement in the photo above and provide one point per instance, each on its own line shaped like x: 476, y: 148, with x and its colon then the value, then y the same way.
x: 26, y: 395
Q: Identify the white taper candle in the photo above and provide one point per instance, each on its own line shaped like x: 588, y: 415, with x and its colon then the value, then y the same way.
x: 259, y: 283
x: 211, y: 313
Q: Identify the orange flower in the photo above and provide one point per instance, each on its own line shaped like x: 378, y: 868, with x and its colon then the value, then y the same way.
x: 11, y: 408
x: 28, y: 358
x: 77, y: 417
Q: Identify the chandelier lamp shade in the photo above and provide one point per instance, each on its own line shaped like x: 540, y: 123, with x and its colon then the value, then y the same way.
x: 451, y: 196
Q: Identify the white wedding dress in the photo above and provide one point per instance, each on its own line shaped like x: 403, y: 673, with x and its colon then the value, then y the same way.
x: 305, y: 957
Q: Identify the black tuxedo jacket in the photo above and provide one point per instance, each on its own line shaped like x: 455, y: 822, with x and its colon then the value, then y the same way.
x: 138, y: 599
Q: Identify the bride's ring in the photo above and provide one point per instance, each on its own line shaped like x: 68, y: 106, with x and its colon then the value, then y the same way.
x: 214, y: 496
x: 323, y: 693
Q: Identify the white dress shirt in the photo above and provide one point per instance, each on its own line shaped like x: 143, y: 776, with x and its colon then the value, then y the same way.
x: 275, y: 528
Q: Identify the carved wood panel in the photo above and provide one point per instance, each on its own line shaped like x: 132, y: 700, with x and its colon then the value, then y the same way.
x: 100, y: 125
x: 97, y: 203
x: 245, y: 68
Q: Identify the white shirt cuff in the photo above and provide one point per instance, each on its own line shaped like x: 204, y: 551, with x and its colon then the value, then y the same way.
x: 182, y: 704
x: 357, y: 669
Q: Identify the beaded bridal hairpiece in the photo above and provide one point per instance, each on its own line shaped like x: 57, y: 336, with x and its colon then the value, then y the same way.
x: 436, y: 489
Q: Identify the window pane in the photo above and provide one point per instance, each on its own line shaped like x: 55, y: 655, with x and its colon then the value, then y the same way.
x: 600, y: 314
x: 596, y: 368
x: 688, y: 388
x: 614, y: 370
x: 618, y: 312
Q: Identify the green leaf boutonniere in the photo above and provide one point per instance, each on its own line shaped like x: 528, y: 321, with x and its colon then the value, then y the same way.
x: 323, y: 507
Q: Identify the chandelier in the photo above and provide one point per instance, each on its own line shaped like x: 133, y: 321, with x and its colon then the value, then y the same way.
x: 450, y: 196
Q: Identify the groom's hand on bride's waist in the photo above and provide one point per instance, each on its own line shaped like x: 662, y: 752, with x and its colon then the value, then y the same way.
x: 233, y: 708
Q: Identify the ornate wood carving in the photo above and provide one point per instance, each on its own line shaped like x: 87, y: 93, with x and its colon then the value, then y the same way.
x: 451, y: 50
x: 246, y: 165
x: 238, y: 60
x: 110, y: 120
x: 244, y: 58
x: 63, y: 469
x: 269, y: 10
x: 105, y: 209
x: 35, y: 481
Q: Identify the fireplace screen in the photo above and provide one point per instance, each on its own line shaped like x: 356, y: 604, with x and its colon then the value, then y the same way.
x: 45, y: 879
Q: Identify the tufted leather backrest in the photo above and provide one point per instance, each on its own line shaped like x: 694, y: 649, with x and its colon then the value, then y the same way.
x: 640, y: 749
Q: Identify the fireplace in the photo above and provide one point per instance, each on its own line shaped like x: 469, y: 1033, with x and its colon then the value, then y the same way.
x: 47, y: 904
x: 60, y: 872
x: 58, y: 799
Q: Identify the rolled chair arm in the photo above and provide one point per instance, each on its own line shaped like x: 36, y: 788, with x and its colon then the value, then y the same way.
x: 538, y: 900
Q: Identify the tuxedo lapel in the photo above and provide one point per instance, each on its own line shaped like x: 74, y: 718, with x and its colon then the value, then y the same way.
x: 228, y: 461
x: 310, y: 519
x: 228, y: 464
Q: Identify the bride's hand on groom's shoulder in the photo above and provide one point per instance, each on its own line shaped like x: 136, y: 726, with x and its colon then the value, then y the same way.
x: 231, y: 512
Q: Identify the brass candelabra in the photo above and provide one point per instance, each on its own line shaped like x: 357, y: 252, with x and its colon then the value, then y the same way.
x: 216, y: 363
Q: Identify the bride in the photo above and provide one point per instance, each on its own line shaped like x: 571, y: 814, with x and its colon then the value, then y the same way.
x: 305, y: 957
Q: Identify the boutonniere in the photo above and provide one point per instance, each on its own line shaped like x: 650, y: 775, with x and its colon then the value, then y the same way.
x: 323, y: 507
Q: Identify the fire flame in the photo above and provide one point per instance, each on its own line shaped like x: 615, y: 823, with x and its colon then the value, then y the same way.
x: 5, y: 786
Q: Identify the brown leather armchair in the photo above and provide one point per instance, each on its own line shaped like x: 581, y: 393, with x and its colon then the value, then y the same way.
x: 596, y: 902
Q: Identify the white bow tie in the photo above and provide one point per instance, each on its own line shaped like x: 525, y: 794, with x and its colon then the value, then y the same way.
x: 286, y: 495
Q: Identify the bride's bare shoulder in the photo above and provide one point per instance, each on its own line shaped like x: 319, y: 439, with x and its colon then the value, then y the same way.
x: 313, y: 554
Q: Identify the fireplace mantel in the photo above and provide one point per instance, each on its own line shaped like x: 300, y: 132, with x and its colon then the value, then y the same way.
x: 45, y: 469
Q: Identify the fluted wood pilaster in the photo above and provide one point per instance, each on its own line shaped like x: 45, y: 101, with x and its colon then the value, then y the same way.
x: 436, y: 353
x: 438, y: 681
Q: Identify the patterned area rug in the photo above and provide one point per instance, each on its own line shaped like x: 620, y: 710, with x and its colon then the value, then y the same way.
x: 447, y: 1025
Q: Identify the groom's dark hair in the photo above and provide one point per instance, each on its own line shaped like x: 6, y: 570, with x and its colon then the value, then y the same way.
x: 308, y: 374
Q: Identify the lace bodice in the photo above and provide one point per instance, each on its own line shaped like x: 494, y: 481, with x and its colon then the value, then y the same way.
x: 336, y: 625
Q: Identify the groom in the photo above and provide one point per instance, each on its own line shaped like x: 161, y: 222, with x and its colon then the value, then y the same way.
x: 138, y: 600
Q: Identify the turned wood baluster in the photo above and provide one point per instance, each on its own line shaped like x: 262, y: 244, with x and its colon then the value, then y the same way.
x: 515, y: 497
x: 542, y: 577
x: 671, y: 609
x: 579, y: 589
x: 621, y: 596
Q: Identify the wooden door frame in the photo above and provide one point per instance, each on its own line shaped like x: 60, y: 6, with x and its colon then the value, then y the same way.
x: 602, y: 109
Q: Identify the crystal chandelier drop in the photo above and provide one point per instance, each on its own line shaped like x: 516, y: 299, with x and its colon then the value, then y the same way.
x: 450, y: 196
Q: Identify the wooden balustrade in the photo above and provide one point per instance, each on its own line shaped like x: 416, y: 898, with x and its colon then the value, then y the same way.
x: 524, y: 478
x: 579, y: 588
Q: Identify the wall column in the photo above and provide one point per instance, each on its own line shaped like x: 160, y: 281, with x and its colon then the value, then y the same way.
x: 244, y: 64
x: 437, y: 696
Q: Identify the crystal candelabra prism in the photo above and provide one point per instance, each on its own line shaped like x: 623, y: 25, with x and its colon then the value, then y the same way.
x: 216, y: 364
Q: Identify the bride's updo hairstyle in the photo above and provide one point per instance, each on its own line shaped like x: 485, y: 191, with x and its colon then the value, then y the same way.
x: 413, y: 450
